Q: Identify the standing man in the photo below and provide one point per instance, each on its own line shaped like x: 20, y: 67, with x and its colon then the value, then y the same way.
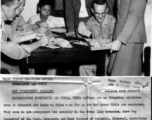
x: 129, y: 38
x: 76, y: 11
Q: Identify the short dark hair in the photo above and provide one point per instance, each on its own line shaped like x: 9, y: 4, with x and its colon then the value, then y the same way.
x: 7, y: 2
x: 99, y: 2
x: 43, y: 3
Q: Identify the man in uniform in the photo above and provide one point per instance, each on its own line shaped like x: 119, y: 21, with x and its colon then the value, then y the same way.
x: 11, y: 51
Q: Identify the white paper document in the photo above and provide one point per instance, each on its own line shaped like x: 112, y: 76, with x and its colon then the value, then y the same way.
x: 75, y: 98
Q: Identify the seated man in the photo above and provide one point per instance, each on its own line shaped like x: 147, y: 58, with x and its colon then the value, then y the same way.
x: 10, y: 50
x: 55, y: 24
x: 101, y: 27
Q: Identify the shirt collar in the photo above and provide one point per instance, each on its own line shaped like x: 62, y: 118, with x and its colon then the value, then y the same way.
x: 104, y: 22
x: 49, y: 18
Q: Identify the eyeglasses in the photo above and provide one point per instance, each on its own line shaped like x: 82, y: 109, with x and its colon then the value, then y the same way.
x: 100, y: 14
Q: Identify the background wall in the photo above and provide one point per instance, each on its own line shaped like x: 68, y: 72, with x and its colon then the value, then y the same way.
x: 30, y: 9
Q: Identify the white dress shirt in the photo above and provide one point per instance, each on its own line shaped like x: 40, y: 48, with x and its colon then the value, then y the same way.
x: 83, y: 11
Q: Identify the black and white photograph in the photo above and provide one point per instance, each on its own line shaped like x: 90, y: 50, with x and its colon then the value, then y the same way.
x: 76, y: 37
x: 75, y: 98
x: 75, y: 59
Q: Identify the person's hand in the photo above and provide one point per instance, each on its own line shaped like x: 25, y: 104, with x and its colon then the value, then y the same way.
x: 49, y: 34
x: 82, y: 28
x: 115, y: 45
x: 41, y: 30
x: 44, y: 41
x: 71, y: 33
x: 42, y: 24
x: 39, y: 36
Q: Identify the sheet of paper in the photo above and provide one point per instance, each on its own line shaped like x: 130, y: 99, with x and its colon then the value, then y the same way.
x: 52, y: 45
x: 100, y: 48
x: 75, y: 98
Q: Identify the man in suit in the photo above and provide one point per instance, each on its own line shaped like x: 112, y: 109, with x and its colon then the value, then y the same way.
x: 129, y: 38
x: 76, y: 11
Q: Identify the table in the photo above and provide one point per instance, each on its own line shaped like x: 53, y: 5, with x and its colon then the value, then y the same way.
x: 77, y: 54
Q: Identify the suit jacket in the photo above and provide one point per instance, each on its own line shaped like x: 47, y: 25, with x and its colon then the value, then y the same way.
x: 130, y: 24
x: 72, y: 8
x: 129, y: 30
